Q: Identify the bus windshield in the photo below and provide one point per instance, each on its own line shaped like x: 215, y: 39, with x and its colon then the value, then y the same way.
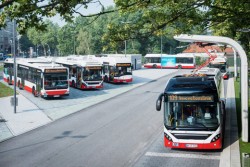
x: 92, y: 74
x: 120, y: 71
x: 55, y: 81
x: 182, y: 115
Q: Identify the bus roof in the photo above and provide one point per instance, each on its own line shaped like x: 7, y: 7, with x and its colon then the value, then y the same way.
x: 114, y: 60
x: 191, y: 85
x: 169, y: 55
x: 219, y: 60
x: 79, y: 61
x: 208, y: 71
x: 35, y: 63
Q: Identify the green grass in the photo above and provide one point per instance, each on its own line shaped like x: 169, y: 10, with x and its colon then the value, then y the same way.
x: 1, y: 68
x: 5, y: 90
x: 244, y: 147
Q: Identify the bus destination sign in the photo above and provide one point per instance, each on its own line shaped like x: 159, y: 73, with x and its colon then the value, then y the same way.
x: 55, y: 70
x: 178, y: 98
x: 94, y: 67
x: 123, y: 64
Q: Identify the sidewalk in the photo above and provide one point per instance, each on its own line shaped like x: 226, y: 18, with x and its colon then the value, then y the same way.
x: 230, y: 157
x: 27, y: 117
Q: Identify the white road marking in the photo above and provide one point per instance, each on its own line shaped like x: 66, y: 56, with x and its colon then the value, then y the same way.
x: 178, y: 155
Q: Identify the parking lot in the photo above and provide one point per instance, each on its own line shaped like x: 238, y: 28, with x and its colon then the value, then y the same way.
x: 56, y: 108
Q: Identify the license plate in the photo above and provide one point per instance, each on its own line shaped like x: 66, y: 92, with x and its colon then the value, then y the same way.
x: 191, y: 145
x: 56, y: 95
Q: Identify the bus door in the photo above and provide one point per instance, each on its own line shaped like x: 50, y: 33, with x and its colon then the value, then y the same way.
x: 105, y: 71
x: 21, y: 73
x: 11, y: 72
x: 22, y: 80
x: 38, y: 83
x: 78, y: 77
x: 112, y: 72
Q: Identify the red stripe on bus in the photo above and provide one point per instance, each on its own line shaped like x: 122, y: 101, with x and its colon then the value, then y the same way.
x: 56, y: 92
x: 206, y: 146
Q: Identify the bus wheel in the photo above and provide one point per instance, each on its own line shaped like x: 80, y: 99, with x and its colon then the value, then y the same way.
x: 73, y: 84
x: 106, y: 78
x: 8, y: 81
x: 154, y: 66
x: 179, y: 67
x: 19, y: 85
x: 34, y: 92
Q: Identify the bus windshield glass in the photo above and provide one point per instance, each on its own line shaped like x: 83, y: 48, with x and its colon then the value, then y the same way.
x: 92, y: 74
x: 197, y: 115
x: 120, y: 71
x: 55, y: 81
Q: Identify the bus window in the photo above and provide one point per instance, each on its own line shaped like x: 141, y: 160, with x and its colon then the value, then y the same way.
x: 186, y: 115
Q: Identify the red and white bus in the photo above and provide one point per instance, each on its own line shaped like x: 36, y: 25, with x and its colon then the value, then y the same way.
x: 85, y: 72
x: 180, y: 61
x: 194, y: 111
x: 40, y: 77
x: 221, y: 64
x: 117, y: 69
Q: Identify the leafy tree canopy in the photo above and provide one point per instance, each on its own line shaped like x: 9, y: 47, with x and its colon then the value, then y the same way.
x: 30, y: 13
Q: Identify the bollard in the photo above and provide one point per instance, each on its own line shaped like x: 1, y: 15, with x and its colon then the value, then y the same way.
x: 245, y: 160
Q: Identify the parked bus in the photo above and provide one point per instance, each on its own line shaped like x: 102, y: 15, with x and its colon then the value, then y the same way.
x: 40, y: 77
x: 117, y: 69
x: 194, y: 111
x: 85, y: 71
x: 220, y: 63
x: 180, y: 61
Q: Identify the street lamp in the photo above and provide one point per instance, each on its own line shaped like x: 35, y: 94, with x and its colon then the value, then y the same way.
x: 48, y: 49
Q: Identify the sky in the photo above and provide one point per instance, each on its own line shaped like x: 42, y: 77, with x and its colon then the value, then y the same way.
x: 92, y: 8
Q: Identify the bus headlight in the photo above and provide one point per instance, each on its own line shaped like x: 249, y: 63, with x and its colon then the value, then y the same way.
x: 168, y: 137
x: 216, y: 138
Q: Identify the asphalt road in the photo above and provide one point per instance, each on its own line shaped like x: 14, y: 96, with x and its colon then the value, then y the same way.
x: 124, y: 131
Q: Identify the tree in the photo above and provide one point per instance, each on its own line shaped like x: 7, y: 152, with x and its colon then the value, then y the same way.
x: 148, y: 17
x: 47, y: 39
x: 184, y: 16
x: 31, y: 13
x: 85, y: 45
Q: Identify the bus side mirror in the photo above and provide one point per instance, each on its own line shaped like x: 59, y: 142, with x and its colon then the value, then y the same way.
x: 158, y: 102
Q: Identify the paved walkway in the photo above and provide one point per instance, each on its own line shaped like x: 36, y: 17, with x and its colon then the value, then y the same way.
x: 27, y: 117
x: 230, y: 157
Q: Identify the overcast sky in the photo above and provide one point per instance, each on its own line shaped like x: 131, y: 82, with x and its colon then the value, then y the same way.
x: 92, y: 8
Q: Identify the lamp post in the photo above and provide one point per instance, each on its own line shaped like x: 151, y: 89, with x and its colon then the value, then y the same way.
x: 48, y: 49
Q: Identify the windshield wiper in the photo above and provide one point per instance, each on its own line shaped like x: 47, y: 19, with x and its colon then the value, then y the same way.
x: 203, y: 126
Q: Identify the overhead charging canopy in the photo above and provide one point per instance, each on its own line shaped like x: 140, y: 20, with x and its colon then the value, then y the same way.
x: 244, y: 70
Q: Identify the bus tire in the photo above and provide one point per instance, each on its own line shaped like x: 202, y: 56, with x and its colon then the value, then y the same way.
x: 179, y: 67
x: 34, y: 92
x: 154, y: 66
x: 73, y: 84
x: 106, y: 78
x: 19, y: 85
x: 8, y: 81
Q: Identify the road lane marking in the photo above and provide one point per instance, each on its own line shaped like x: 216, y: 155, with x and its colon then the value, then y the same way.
x: 178, y: 155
